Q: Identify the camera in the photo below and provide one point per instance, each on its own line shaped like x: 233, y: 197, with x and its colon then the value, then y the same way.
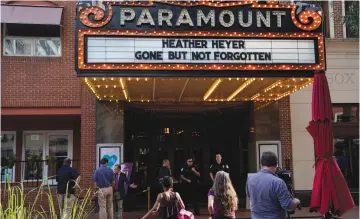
x: 285, y: 175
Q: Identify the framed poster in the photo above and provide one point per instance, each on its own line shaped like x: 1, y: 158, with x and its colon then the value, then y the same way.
x: 112, y: 152
x: 264, y: 146
x: 127, y: 168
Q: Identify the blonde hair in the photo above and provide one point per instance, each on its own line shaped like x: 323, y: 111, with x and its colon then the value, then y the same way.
x: 225, y: 196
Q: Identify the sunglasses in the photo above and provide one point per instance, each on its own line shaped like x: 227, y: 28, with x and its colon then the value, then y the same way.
x: 189, y: 161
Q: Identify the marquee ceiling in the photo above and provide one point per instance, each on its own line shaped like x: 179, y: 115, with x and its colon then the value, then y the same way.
x: 262, y: 91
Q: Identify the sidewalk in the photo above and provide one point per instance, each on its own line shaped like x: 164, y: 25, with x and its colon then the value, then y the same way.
x: 304, y: 213
x: 352, y: 214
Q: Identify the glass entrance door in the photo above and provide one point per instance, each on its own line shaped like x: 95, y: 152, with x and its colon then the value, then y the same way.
x: 44, y: 153
x: 347, y: 156
x: 34, y: 146
x: 58, y: 148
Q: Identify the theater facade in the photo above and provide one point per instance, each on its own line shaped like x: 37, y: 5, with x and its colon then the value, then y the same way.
x: 174, y: 79
x: 140, y: 81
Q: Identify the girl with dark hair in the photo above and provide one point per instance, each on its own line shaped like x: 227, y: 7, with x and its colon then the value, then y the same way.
x: 168, y: 203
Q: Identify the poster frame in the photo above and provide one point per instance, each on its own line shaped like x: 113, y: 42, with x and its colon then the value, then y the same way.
x: 109, y: 145
x: 266, y: 143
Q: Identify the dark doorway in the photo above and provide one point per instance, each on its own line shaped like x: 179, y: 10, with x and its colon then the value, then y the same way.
x: 155, y: 132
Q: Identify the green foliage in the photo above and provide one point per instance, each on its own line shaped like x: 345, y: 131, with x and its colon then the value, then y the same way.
x: 16, y: 204
x: 50, y: 158
x: 34, y: 157
x: 11, y: 161
x: 351, y: 18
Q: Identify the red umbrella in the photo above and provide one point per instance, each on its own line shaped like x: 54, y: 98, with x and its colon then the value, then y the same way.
x: 330, y: 190
x: 321, y: 101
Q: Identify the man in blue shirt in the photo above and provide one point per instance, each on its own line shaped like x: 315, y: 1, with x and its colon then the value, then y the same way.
x: 104, y: 179
x: 269, y: 196
x: 67, y: 178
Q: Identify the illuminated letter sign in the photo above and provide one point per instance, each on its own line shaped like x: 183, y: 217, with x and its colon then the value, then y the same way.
x: 199, y: 36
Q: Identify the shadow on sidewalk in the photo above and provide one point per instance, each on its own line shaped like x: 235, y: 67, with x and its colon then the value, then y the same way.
x: 304, y: 213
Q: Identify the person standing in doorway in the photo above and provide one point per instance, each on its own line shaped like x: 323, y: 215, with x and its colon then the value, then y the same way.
x: 67, y: 178
x: 164, y: 170
x: 190, y: 179
x: 104, y: 181
x: 218, y: 166
x: 130, y: 199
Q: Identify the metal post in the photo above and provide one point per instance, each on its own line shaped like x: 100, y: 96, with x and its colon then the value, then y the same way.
x: 148, y: 192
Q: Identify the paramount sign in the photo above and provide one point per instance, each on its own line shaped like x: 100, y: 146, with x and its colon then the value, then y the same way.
x: 224, y: 18
x: 136, y: 35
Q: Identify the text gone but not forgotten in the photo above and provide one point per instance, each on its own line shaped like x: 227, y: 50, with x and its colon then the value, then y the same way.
x: 184, y: 55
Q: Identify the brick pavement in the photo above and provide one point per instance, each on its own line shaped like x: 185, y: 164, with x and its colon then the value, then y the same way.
x: 304, y: 213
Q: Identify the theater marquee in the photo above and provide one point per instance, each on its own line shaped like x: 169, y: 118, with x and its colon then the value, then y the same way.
x: 210, y: 38
x: 191, y: 50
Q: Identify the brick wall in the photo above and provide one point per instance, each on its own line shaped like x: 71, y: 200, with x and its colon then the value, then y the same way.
x: 337, y: 14
x: 88, y: 137
x: 52, y: 82
x: 43, y: 81
x: 285, y: 132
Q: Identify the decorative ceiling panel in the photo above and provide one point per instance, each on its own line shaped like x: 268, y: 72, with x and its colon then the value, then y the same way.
x: 262, y: 91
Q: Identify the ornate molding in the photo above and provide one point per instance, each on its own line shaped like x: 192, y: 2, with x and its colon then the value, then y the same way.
x: 94, y: 16
x: 307, y: 19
